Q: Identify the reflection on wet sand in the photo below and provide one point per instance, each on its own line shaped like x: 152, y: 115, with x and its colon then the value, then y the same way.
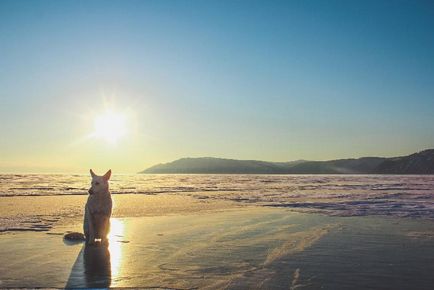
x: 234, y: 249
x: 95, y: 265
x: 115, y: 236
x: 216, y: 250
x: 184, y: 251
x: 92, y: 268
x: 97, y: 268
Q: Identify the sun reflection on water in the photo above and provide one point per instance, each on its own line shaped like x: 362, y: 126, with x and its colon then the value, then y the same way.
x: 116, y: 232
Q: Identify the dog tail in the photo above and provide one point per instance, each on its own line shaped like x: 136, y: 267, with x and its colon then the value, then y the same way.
x: 74, y: 236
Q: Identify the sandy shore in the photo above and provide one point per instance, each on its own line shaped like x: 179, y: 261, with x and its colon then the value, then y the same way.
x: 41, y: 213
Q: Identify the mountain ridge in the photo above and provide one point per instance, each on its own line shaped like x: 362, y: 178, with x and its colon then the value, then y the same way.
x: 417, y: 163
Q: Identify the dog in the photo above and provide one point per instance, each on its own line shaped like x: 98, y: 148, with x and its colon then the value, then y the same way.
x: 98, y: 210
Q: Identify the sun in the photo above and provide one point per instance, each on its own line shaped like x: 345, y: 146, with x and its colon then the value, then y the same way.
x: 110, y: 126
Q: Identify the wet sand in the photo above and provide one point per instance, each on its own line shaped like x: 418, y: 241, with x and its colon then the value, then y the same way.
x: 227, y: 247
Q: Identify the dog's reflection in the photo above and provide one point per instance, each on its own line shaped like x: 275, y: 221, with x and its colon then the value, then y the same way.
x: 92, y: 268
x: 97, y: 267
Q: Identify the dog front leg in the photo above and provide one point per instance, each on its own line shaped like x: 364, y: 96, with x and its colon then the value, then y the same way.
x: 87, y: 225
x: 92, y: 233
x: 105, y: 231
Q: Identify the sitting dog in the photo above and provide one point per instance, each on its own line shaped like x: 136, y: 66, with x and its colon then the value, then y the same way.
x: 98, y: 210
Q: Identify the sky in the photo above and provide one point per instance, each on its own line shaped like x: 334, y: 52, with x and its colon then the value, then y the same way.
x: 263, y: 80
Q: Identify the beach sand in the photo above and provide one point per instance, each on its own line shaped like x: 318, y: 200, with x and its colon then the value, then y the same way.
x: 41, y: 213
x: 170, y: 241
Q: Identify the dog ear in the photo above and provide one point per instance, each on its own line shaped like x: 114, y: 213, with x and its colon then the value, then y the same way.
x: 107, y: 175
x: 92, y: 173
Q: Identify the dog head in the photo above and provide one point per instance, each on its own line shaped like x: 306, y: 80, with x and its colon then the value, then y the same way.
x: 99, y: 184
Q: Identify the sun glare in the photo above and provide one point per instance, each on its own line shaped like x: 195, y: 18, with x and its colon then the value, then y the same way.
x: 110, y: 126
x: 116, y: 233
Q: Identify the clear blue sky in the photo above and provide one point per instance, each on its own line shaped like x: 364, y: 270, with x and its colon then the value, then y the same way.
x: 269, y: 80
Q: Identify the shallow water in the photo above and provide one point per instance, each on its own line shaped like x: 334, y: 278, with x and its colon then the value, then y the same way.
x: 341, y: 195
x: 235, y: 249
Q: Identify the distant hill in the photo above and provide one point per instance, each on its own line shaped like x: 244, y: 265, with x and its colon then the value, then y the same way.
x: 221, y: 165
x: 418, y: 163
